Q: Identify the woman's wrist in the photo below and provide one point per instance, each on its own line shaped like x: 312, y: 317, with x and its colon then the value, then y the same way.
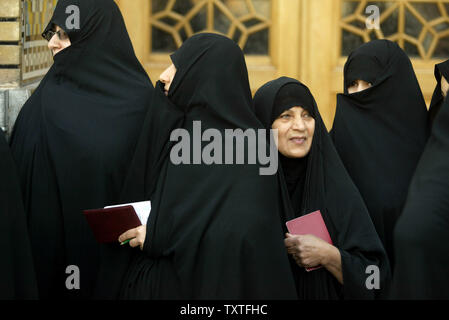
x: 328, y: 254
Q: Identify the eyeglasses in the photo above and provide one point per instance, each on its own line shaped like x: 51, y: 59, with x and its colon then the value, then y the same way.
x: 50, y: 33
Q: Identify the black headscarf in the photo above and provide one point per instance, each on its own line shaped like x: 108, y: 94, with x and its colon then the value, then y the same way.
x: 326, y: 187
x: 380, y: 133
x: 17, y: 277
x: 74, y: 139
x: 214, y: 231
x: 441, y: 70
x: 421, y: 236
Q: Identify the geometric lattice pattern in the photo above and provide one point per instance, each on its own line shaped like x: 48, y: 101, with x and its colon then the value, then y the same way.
x: 245, y: 21
x: 37, y: 58
x: 420, y: 27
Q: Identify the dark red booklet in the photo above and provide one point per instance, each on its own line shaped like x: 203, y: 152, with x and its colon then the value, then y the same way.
x: 109, y: 223
x: 311, y: 223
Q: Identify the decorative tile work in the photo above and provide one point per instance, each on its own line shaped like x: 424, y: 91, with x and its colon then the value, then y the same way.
x: 36, y: 58
x: 245, y: 21
x: 420, y: 27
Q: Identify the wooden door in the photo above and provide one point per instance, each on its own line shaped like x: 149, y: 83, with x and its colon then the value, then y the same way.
x: 304, y: 39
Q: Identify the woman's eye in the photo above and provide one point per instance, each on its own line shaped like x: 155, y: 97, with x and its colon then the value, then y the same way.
x: 285, y: 116
x: 353, y: 83
x: 306, y: 115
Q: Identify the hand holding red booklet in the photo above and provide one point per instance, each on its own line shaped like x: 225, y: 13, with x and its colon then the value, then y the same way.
x: 313, y: 224
x: 109, y: 223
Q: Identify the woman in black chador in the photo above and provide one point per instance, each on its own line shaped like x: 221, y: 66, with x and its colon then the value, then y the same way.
x: 214, y: 231
x: 421, y: 236
x: 75, y: 137
x: 17, y: 278
x: 442, y: 77
x: 380, y: 130
x: 314, y: 178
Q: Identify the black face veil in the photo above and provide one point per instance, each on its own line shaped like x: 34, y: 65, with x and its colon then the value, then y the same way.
x: 380, y: 132
x: 74, y: 139
x: 326, y: 186
x: 441, y: 70
x: 214, y: 231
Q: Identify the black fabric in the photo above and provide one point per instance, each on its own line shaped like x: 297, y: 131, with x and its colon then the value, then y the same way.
x: 149, y: 158
x: 441, y: 69
x: 421, y: 236
x: 328, y: 188
x: 380, y: 133
x: 17, y: 277
x: 74, y: 139
x: 214, y: 231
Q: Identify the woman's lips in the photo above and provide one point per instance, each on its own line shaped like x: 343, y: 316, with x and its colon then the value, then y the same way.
x: 298, y: 140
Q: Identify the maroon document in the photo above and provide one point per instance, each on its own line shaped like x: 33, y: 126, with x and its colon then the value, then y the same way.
x: 311, y: 223
x: 109, y: 223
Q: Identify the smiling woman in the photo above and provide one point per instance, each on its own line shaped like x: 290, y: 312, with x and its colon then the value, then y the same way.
x: 295, y: 132
x: 313, y: 178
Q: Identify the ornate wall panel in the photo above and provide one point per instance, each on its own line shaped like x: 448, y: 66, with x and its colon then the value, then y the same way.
x: 420, y: 27
x: 245, y: 21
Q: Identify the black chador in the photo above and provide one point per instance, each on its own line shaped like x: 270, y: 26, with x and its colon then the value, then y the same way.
x: 215, y: 230
x: 319, y: 181
x: 17, y: 277
x: 74, y: 140
x: 441, y: 70
x: 380, y: 133
x: 421, y: 237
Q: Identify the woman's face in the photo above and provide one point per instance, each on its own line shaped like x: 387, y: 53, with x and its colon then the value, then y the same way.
x: 358, y: 85
x: 444, y: 86
x: 167, y: 77
x: 59, y: 41
x: 295, y: 132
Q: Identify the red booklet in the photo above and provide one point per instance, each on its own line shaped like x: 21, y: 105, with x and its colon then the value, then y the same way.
x: 109, y: 223
x: 311, y: 223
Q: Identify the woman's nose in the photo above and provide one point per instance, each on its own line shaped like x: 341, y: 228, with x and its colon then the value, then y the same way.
x: 54, y: 43
x: 299, y: 124
x: 163, y: 77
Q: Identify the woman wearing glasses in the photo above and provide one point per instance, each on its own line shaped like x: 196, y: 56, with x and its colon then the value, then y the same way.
x: 73, y: 141
x: 57, y: 39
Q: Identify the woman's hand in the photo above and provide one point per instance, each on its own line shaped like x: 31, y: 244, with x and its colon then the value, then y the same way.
x: 135, y: 236
x: 310, y: 252
x: 307, y: 250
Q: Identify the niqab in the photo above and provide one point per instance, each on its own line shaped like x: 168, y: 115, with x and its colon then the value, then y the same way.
x: 380, y: 132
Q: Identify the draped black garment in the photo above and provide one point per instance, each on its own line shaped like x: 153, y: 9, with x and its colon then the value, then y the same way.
x: 441, y: 69
x: 326, y: 186
x: 380, y: 133
x: 214, y: 231
x: 421, y: 236
x: 17, y: 277
x: 74, y: 140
